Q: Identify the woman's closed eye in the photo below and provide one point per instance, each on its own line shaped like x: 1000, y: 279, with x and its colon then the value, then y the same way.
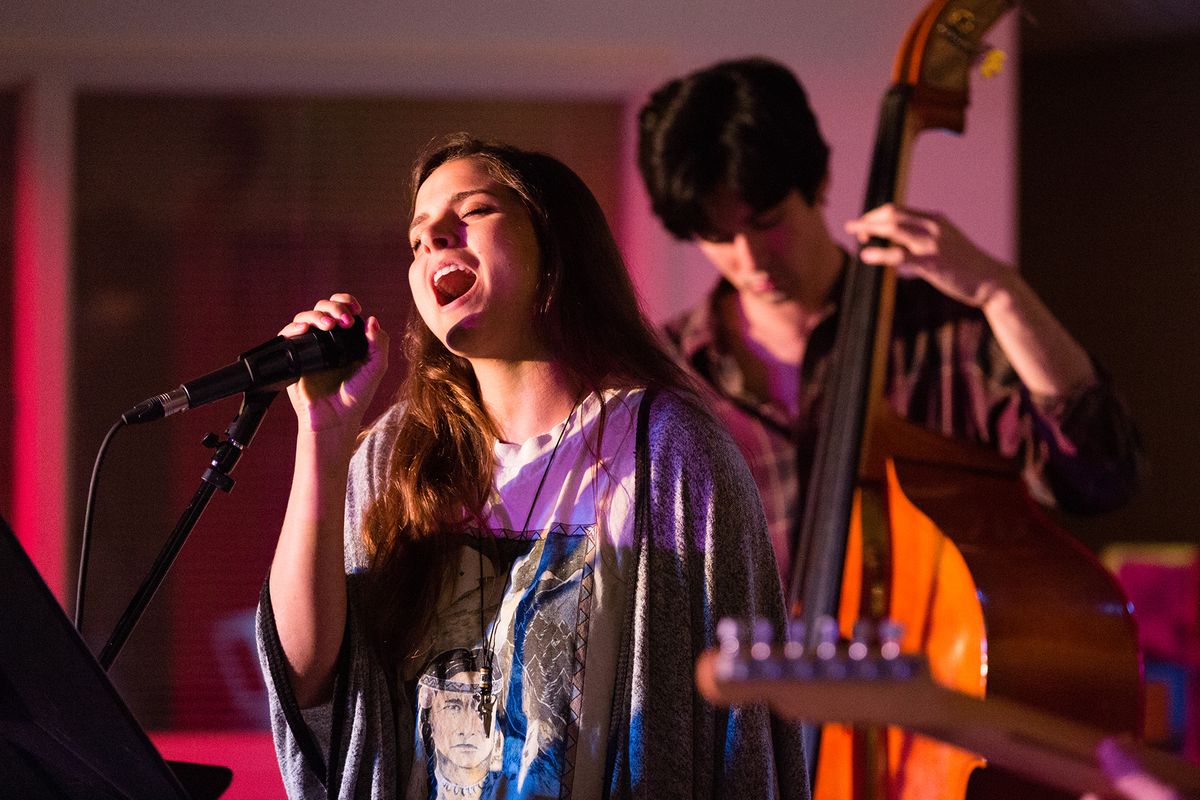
x: 476, y: 211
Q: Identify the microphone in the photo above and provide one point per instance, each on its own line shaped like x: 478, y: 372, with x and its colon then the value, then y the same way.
x: 270, y: 366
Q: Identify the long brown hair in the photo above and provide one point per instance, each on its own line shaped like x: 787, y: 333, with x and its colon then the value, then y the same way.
x: 441, y: 468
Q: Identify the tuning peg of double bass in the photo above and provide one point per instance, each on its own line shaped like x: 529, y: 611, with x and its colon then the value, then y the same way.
x: 992, y: 62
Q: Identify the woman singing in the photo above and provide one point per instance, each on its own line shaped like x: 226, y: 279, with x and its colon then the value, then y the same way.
x: 502, y: 588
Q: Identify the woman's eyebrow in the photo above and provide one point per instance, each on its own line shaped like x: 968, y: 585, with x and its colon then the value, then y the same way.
x: 455, y: 198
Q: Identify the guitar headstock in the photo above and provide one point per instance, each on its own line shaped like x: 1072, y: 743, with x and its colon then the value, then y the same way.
x: 814, y: 675
x: 751, y: 651
x: 869, y: 681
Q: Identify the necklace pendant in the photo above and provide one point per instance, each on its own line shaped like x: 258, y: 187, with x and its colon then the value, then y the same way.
x: 484, y: 701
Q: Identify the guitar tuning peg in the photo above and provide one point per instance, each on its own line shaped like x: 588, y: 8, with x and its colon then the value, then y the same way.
x: 890, y: 634
x: 730, y: 635
x: 797, y: 632
x: 763, y: 634
x: 827, y: 634
x: 864, y: 633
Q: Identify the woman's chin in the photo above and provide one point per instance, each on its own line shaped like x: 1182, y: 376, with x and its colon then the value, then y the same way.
x: 464, y: 336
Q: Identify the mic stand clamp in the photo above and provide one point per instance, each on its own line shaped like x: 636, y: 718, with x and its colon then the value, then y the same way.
x: 225, y: 457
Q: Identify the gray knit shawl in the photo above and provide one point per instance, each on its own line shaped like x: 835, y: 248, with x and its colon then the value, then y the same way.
x: 703, y: 554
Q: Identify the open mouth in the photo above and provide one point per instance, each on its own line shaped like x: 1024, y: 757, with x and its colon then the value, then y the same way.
x: 452, y: 282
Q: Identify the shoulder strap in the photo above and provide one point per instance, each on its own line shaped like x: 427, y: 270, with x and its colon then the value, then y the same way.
x: 617, y: 767
x: 641, y: 480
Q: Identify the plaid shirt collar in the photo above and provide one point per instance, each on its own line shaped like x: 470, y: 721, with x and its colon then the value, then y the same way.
x: 704, y: 343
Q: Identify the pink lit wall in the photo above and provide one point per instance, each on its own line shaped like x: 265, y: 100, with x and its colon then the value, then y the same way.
x: 8, y: 144
x: 40, y: 346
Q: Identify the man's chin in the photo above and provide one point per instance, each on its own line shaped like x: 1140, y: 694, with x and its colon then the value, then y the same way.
x: 763, y: 289
x: 769, y: 294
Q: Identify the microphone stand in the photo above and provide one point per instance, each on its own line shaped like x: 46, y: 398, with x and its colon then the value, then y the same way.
x: 238, y: 436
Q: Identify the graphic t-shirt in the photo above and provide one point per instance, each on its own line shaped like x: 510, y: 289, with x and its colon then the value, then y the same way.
x: 538, y: 600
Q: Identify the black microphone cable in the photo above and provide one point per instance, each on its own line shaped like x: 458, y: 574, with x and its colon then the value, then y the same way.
x: 88, y: 514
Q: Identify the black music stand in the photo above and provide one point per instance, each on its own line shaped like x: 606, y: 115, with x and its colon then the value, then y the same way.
x: 65, y: 732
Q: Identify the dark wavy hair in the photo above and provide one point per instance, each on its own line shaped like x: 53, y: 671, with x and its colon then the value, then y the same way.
x: 744, y: 125
x: 442, y: 466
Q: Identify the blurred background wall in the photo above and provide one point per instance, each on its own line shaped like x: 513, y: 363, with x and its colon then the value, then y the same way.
x: 177, y: 178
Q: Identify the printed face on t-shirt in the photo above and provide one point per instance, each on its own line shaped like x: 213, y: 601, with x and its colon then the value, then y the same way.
x: 458, y: 728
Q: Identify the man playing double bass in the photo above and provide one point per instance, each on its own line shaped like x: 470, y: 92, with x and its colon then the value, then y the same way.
x: 732, y: 158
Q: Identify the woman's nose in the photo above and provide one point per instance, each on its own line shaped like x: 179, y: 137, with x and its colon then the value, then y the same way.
x: 439, y: 236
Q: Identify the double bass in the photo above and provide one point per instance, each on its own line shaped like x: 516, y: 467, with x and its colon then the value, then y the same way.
x: 901, y: 524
